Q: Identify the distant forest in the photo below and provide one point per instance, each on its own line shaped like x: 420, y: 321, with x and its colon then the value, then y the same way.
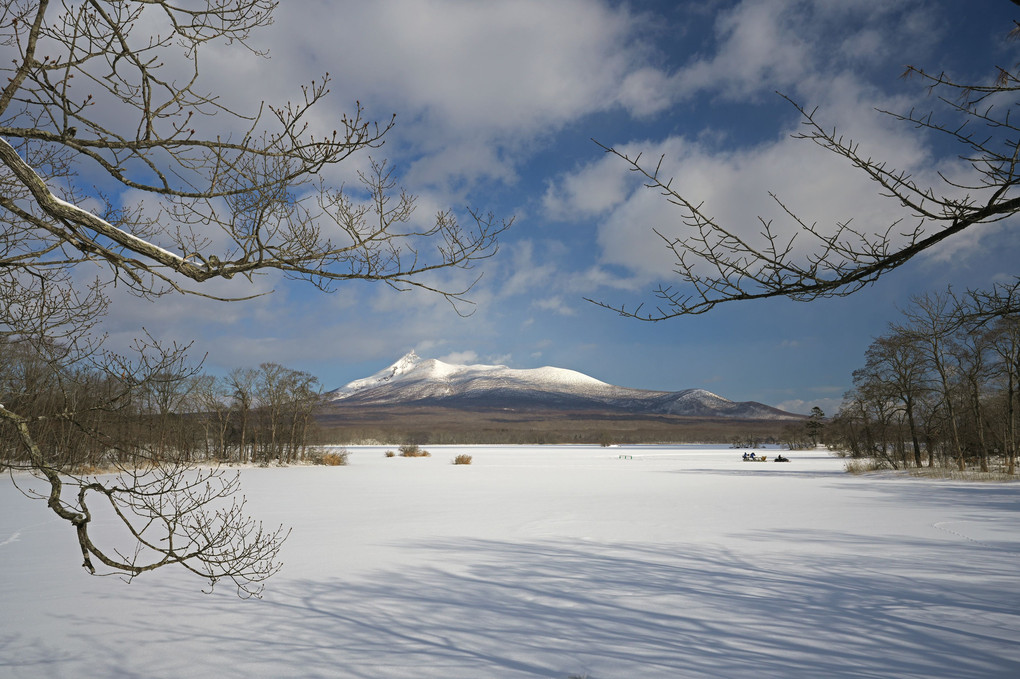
x: 94, y: 416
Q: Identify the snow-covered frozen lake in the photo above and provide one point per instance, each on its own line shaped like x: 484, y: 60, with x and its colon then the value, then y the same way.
x: 552, y: 562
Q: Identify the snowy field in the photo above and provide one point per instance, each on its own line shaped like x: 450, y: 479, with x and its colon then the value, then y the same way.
x: 552, y: 562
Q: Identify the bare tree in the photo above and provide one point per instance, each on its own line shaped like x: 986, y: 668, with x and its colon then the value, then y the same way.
x: 1004, y: 339
x: 241, y: 383
x: 933, y: 322
x: 896, y: 361
x: 974, y: 362
x: 209, y: 396
x: 283, y: 403
x: 870, y: 406
x: 101, y: 97
x: 803, y: 260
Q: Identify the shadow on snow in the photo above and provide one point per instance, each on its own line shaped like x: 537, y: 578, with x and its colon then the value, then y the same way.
x: 613, y: 611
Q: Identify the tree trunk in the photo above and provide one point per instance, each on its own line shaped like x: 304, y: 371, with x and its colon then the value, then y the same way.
x: 913, y: 433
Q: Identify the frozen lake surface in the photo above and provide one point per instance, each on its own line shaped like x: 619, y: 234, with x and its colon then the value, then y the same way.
x: 552, y: 561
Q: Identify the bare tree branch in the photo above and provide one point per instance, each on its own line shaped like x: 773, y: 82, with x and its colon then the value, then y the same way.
x: 715, y: 265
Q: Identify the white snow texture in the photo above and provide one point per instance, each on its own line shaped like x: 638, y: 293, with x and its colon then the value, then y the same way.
x: 647, y: 562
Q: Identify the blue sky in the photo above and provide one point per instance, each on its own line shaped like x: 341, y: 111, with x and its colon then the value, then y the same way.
x: 496, y: 104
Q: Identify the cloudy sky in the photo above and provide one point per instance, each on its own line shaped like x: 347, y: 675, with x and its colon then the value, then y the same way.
x: 496, y: 106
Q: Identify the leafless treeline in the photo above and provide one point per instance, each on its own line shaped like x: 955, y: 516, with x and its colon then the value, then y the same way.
x: 94, y: 417
x: 940, y: 388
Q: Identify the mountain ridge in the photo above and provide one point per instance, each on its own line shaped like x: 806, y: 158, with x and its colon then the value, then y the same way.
x: 413, y: 380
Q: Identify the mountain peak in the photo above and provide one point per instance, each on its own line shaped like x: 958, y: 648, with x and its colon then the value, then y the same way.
x: 415, y: 380
x: 438, y: 378
x: 405, y: 363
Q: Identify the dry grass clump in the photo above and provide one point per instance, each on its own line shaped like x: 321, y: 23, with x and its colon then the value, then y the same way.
x: 462, y: 459
x: 412, y: 450
x: 390, y: 453
x: 335, y: 459
x: 864, y: 465
x: 332, y: 458
x: 871, y: 464
x: 956, y: 475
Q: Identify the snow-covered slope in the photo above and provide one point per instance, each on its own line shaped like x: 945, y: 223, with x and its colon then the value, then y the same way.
x: 415, y: 380
x: 412, y: 377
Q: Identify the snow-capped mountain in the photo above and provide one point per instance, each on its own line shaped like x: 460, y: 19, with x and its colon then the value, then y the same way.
x: 413, y: 380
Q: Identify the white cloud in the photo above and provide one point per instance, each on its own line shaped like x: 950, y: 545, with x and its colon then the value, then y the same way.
x: 734, y: 190
x: 555, y: 304
x: 757, y: 53
x: 646, y: 91
x: 507, y: 65
x: 469, y: 82
x: 768, y: 45
x: 461, y: 357
x: 588, y: 191
x: 525, y: 268
x: 500, y: 359
x: 829, y: 406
